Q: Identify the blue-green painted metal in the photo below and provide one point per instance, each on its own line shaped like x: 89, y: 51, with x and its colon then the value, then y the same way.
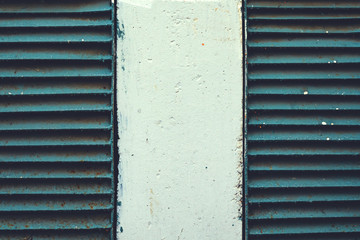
x: 51, y: 6
x: 302, y: 4
x: 56, y: 119
x: 302, y: 119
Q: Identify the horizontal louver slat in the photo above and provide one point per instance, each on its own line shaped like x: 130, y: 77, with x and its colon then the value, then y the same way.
x: 305, y: 163
x: 51, y: 22
x: 306, y: 195
x: 304, y: 56
x: 46, y: 221
x: 37, y: 186
x: 53, y: 203
x: 313, y: 226
x: 51, y: 51
x: 339, y: 210
x: 53, y: 6
x: 54, y: 121
x: 334, y: 4
x: 58, y: 234
x: 55, y: 154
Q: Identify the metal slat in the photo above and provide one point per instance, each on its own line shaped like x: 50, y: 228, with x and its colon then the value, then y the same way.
x: 60, y: 36
x: 306, y: 195
x: 61, y: 220
x: 305, y: 27
x: 261, y: 15
x: 313, y: 226
x: 291, y: 211
x: 61, y: 69
x: 13, y: 104
x: 304, y: 56
x: 52, y: 22
x: 53, y: 86
x: 302, y: 120
x: 304, y: 180
x: 309, y: 148
x: 302, y: 41
x: 61, y: 153
x: 324, y: 236
x: 52, y: 6
x: 301, y: 163
x: 303, y: 4
x: 305, y: 15
x: 53, y: 203
x: 322, y: 133
x: 53, y: 121
x: 55, y: 187
x: 46, y: 51
x: 57, y: 234
x: 327, y: 71
x: 59, y: 170
x: 327, y: 88
x: 50, y: 138
x: 305, y: 103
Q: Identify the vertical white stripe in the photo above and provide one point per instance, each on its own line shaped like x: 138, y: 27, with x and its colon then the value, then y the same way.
x: 180, y: 120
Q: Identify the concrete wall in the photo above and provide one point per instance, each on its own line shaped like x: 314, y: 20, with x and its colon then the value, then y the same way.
x: 180, y: 120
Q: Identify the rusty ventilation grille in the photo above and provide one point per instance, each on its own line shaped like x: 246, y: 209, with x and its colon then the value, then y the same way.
x: 303, y: 120
x: 56, y: 111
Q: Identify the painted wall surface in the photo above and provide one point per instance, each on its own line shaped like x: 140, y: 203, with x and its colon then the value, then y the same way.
x: 180, y: 120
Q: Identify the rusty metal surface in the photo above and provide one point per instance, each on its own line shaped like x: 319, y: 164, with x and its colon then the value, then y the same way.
x: 302, y: 131
x: 56, y: 119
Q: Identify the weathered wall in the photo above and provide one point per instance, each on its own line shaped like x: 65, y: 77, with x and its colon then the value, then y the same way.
x: 180, y: 119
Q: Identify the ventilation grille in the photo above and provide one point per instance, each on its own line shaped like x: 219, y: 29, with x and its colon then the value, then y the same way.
x: 303, y: 120
x: 56, y: 111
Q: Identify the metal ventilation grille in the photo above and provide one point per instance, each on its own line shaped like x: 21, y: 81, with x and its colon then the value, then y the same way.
x: 56, y: 111
x: 303, y: 119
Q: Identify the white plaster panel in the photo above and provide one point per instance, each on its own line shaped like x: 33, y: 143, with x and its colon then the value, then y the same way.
x: 179, y: 83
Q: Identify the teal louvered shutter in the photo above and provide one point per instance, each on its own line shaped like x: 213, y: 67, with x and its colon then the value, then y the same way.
x: 302, y: 170
x: 56, y: 119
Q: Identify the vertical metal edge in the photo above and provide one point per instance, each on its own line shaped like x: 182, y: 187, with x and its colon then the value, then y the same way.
x: 245, y: 119
x: 113, y: 147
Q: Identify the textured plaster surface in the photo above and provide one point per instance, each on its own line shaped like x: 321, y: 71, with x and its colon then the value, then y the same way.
x: 179, y: 83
